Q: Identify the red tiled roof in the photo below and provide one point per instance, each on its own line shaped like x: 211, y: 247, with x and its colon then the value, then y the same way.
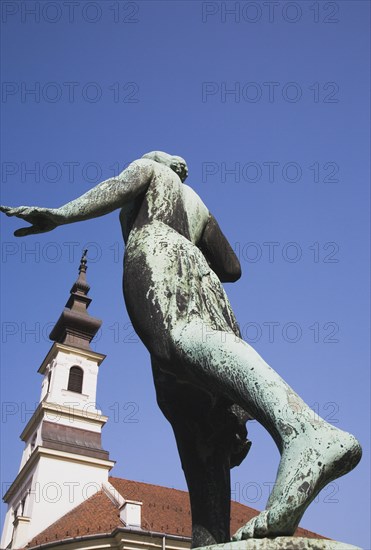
x: 168, y: 511
x: 95, y: 515
x: 164, y: 510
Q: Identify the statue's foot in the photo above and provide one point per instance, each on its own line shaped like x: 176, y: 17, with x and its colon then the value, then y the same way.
x: 307, y: 465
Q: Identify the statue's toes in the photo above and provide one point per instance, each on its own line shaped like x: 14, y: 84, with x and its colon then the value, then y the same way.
x: 261, y: 527
x: 245, y: 532
x: 257, y: 527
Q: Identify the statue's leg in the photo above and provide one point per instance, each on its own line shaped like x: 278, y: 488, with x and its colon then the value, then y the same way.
x: 208, y: 481
x: 206, y: 466
x: 313, y: 453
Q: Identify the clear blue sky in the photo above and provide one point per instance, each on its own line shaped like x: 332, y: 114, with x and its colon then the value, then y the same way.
x: 269, y: 106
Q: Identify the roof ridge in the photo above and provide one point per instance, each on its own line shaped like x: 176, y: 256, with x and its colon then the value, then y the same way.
x: 113, y: 494
x: 149, y: 484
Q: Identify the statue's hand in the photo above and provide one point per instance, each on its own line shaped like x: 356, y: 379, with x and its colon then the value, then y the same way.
x: 42, y: 219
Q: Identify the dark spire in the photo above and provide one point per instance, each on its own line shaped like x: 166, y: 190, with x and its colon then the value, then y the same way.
x: 81, y: 286
x: 75, y: 327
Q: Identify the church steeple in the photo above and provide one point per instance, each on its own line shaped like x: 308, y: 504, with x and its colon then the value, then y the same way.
x: 81, y: 286
x: 76, y: 326
x: 63, y: 448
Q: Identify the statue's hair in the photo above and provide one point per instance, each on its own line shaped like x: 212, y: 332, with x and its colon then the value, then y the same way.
x: 172, y: 161
x: 158, y: 156
x: 162, y: 157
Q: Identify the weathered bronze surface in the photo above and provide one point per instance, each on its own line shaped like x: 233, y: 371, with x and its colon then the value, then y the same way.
x: 208, y: 380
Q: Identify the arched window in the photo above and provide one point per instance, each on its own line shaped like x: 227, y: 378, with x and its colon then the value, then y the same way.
x: 75, y: 379
x: 49, y: 380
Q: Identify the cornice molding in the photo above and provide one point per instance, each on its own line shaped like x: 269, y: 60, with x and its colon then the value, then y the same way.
x: 40, y: 452
x: 57, y: 347
x: 71, y: 413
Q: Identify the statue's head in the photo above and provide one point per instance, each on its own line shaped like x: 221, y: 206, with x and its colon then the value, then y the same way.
x: 177, y: 164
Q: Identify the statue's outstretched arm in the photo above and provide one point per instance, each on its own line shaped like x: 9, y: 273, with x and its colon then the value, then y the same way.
x: 102, y: 199
x: 219, y: 253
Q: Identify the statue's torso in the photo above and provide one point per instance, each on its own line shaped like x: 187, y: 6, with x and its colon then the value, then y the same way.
x: 168, y: 201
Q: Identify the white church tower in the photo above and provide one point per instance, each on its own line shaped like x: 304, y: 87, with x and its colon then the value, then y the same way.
x: 63, y: 462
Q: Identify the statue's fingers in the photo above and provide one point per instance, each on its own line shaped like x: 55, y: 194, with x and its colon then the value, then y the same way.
x: 19, y: 211
x: 6, y: 210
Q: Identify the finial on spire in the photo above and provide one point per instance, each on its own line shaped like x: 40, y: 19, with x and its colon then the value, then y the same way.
x: 83, y: 261
x: 81, y: 286
x: 75, y: 326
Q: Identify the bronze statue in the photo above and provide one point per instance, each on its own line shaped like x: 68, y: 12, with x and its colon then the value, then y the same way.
x: 208, y: 380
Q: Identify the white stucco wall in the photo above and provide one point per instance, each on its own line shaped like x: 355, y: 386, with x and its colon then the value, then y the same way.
x: 58, y: 485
